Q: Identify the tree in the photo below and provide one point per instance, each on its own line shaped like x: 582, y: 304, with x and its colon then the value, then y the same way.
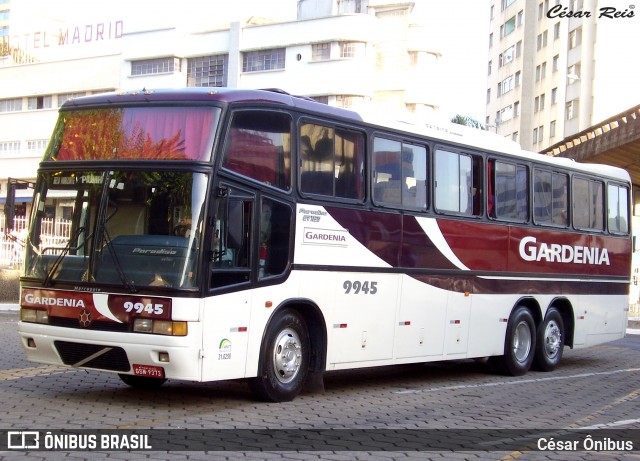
x: 467, y: 121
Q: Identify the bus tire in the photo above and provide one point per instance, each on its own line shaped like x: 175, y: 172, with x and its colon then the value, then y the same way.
x: 142, y: 382
x: 519, y: 344
x: 284, y: 359
x: 550, y: 341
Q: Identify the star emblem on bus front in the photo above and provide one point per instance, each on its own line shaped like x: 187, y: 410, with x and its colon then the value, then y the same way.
x: 85, y: 318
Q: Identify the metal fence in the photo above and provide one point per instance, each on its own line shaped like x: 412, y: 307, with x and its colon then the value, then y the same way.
x: 55, y: 232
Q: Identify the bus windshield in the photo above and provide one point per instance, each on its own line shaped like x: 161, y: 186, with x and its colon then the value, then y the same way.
x: 127, y: 228
x: 140, y: 133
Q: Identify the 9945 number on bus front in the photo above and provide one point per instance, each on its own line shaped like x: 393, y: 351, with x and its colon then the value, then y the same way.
x: 357, y: 287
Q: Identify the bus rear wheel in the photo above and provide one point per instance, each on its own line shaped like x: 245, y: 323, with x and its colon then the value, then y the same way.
x: 550, y: 343
x: 284, y: 359
x: 142, y: 382
x: 519, y: 345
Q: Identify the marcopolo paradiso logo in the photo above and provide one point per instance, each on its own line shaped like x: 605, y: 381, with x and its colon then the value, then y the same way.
x: 610, y: 12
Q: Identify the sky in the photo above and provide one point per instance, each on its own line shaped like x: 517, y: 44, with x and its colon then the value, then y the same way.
x: 457, y: 28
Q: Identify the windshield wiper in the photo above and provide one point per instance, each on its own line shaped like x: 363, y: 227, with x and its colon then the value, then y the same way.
x: 54, y: 267
x: 116, y: 262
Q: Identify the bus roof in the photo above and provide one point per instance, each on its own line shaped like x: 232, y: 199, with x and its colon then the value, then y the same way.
x: 446, y: 132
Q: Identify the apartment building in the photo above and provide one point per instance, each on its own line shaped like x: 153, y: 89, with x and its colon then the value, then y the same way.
x: 556, y: 67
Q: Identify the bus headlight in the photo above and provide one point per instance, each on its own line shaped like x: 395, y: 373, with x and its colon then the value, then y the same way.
x: 160, y: 327
x: 34, y: 315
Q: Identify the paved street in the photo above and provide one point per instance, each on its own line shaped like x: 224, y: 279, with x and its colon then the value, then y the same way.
x: 595, y: 388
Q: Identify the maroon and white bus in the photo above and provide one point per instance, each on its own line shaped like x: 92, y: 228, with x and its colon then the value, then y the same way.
x: 223, y: 234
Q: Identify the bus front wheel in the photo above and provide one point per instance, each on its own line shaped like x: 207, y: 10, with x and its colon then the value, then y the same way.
x: 550, y: 341
x: 284, y: 359
x: 520, y: 344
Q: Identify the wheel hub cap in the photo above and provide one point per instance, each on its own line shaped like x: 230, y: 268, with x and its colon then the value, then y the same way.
x: 287, y: 356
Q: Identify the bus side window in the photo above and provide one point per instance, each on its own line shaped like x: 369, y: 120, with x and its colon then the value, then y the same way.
x: 275, y: 235
x: 259, y: 147
x: 508, y: 196
x: 331, y: 161
x: 230, y: 248
x: 550, y: 199
x: 458, y: 183
x: 618, y: 209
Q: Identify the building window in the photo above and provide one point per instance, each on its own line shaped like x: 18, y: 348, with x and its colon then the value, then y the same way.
x: 62, y: 98
x: 320, y: 51
x: 10, y: 148
x: 508, y: 27
x: 207, y: 70
x: 11, y: 105
x: 257, y: 61
x: 542, y: 40
x: 505, y: 3
x: 506, y: 85
x: 37, y: 146
x: 39, y: 102
x: 552, y: 129
x: 519, y: 48
x: 350, y: 49
x: 554, y: 96
x: 155, y: 66
x: 348, y: 101
x: 556, y: 31
x: 575, y: 38
x: 572, y: 109
x: 504, y: 114
x: 573, y: 72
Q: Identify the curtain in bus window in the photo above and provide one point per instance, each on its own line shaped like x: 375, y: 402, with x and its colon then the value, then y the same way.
x: 142, y: 133
x: 259, y: 147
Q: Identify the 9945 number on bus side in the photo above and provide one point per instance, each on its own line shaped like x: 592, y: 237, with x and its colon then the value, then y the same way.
x: 358, y: 287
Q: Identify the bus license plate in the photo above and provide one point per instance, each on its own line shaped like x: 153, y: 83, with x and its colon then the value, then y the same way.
x: 149, y: 371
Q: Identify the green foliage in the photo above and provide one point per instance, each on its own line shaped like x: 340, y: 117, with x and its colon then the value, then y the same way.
x: 468, y: 121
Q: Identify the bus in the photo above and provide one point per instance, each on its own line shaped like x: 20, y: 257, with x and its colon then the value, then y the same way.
x: 222, y: 234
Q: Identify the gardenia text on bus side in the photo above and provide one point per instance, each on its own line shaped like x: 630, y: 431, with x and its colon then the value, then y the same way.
x: 531, y: 250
